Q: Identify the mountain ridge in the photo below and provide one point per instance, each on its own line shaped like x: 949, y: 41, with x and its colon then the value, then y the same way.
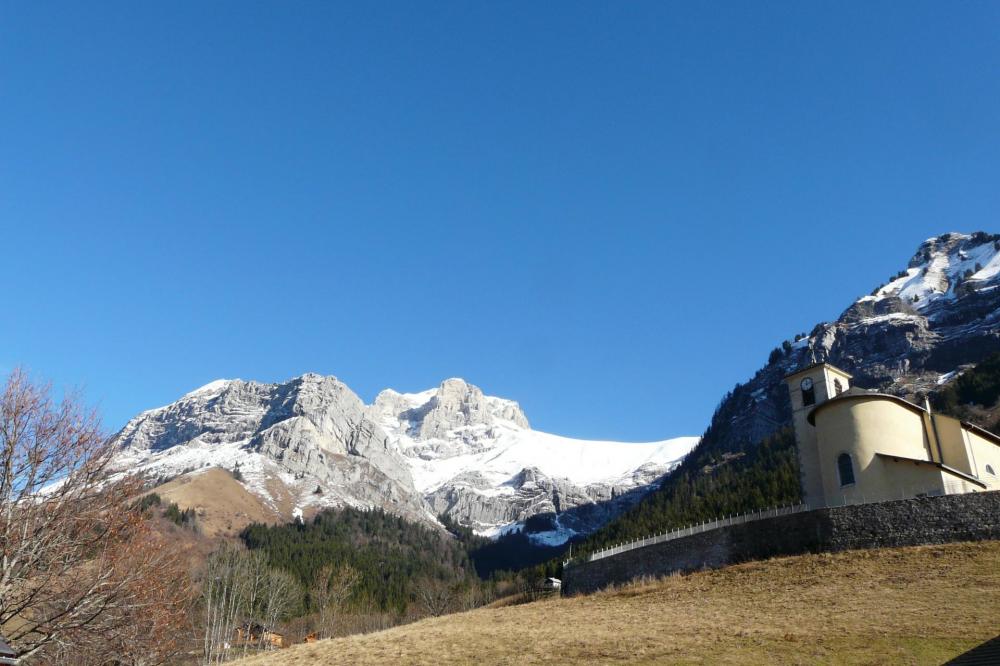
x: 309, y: 443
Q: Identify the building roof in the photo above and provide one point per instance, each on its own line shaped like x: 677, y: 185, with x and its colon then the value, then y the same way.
x: 940, y: 466
x: 816, y: 365
x: 983, y: 432
x: 851, y: 395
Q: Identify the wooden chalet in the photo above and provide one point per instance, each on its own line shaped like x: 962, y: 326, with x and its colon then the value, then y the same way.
x: 251, y: 632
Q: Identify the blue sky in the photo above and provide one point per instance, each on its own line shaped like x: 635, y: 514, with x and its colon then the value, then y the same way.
x: 610, y: 212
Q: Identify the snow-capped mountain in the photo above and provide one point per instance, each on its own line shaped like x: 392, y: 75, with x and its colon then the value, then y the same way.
x: 476, y: 459
x: 932, y: 319
x: 943, y: 270
x: 311, y: 442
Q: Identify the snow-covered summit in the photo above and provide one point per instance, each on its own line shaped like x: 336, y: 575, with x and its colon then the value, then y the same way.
x: 211, y: 387
x: 942, y: 269
x: 936, y: 316
x: 476, y: 458
x: 435, y: 412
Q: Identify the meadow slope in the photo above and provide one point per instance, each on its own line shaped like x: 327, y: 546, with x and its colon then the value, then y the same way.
x: 918, y: 605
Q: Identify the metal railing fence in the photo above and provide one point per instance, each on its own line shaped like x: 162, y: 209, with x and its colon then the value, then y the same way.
x: 690, y: 530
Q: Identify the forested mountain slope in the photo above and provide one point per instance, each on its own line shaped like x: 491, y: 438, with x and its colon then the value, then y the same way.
x: 921, y: 334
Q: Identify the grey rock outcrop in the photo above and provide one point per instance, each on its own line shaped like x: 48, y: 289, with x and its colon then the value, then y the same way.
x: 311, y: 427
x: 311, y: 442
x: 455, y: 404
x: 581, y: 508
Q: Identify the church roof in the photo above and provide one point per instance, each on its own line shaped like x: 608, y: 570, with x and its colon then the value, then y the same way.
x: 941, y: 466
x: 853, y: 394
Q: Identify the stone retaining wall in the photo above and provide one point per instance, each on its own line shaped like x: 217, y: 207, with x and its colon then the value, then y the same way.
x: 911, y: 522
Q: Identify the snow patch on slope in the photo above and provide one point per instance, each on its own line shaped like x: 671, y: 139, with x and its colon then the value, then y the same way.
x: 939, y: 267
x: 582, y: 462
x: 212, y: 387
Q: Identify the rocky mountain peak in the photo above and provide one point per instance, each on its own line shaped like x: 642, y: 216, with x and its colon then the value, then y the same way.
x: 458, y: 404
x: 294, y: 436
x: 939, y: 313
x: 454, y: 405
x: 944, y: 269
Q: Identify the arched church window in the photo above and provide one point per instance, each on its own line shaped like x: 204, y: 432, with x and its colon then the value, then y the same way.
x: 845, y: 469
x: 838, y: 388
x: 808, y: 392
x: 989, y: 470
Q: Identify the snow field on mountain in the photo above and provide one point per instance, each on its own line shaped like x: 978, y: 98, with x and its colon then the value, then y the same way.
x: 582, y: 462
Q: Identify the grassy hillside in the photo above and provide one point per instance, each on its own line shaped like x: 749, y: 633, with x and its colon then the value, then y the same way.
x: 919, y: 605
x: 221, y: 504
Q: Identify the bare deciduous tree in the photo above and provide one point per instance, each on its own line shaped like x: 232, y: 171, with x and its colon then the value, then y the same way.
x: 75, y: 562
x: 241, y: 592
x: 153, y: 627
x: 223, y: 597
x: 282, y: 594
x: 436, y: 596
x: 330, y: 593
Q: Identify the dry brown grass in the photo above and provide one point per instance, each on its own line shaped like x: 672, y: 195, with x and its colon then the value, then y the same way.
x: 901, y: 606
x: 222, y: 505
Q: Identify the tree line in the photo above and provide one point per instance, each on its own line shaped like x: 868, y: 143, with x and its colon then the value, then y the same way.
x: 390, y: 555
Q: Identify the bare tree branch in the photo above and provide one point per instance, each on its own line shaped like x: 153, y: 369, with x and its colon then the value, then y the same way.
x: 77, y: 562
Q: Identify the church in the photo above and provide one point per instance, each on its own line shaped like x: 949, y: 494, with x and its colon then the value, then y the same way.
x: 859, y: 446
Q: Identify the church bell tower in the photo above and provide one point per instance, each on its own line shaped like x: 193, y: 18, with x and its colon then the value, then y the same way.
x: 807, y: 388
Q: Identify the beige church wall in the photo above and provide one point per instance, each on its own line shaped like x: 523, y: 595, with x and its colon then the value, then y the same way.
x: 985, y: 453
x: 968, y: 452
x: 863, y: 427
x: 887, y: 479
x: 907, y: 479
x: 954, y: 450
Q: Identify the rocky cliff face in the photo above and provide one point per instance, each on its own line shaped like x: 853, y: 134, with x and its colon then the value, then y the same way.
x: 311, y: 442
x: 455, y: 404
x: 307, y: 442
x: 937, y: 315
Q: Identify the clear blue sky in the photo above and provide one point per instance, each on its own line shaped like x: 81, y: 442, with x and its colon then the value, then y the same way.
x: 610, y: 212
